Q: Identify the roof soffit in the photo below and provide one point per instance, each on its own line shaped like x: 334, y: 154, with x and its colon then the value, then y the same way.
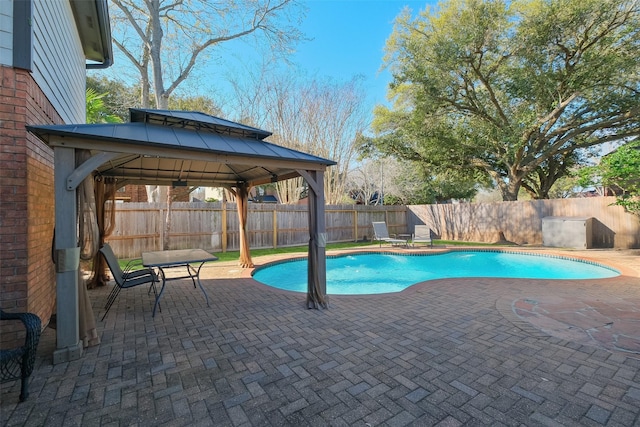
x: 94, y: 29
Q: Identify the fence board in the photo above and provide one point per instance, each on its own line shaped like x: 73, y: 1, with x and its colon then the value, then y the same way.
x: 521, y: 222
x: 140, y: 226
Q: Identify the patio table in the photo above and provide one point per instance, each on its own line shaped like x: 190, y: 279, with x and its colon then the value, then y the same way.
x: 192, y: 259
x: 405, y: 237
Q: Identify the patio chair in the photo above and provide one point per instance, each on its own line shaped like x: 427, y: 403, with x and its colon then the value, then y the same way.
x: 422, y: 234
x: 127, y: 278
x: 17, y: 363
x: 381, y: 234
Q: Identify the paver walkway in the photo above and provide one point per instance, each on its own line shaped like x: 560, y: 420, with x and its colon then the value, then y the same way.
x: 447, y: 352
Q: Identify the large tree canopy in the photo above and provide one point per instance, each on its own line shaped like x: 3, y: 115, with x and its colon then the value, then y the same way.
x: 511, y: 88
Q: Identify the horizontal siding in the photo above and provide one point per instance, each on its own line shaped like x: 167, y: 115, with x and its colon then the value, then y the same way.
x: 6, y: 32
x: 58, y: 59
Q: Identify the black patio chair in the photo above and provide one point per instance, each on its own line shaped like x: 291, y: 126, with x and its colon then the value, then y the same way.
x: 126, y: 278
x: 17, y: 363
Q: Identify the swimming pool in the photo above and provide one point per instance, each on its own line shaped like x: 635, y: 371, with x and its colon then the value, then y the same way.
x: 376, y: 273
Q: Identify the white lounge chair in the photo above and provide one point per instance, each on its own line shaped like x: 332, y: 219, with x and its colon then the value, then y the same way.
x: 381, y: 234
x: 422, y: 234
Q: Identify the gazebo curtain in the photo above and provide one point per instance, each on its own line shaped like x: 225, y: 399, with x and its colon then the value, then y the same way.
x: 241, y: 191
x: 88, y: 242
x: 315, y: 296
x: 105, y: 207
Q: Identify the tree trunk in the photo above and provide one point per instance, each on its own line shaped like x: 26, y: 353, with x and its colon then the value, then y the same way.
x: 510, y: 189
x: 144, y: 91
x: 154, y: 52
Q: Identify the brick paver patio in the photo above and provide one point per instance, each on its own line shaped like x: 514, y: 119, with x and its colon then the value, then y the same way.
x: 447, y: 353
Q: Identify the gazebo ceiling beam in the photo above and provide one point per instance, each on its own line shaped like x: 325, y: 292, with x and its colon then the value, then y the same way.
x: 82, y: 171
x: 126, y: 180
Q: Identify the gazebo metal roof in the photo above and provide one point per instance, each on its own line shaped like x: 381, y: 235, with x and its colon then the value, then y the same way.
x: 162, y: 147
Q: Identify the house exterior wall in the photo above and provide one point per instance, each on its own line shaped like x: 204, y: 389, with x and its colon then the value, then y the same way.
x: 51, y: 92
x: 132, y: 193
x: 6, y: 37
x: 58, y: 59
x: 27, y: 279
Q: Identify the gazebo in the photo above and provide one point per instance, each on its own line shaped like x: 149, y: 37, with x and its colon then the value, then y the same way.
x: 172, y: 148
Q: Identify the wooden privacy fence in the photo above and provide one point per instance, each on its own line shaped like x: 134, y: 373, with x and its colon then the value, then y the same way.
x: 214, y: 227
x: 521, y: 222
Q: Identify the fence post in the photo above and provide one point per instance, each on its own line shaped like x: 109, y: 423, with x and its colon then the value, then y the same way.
x: 275, y: 227
x: 161, y: 226
x: 224, y: 226
x: 355, y: 224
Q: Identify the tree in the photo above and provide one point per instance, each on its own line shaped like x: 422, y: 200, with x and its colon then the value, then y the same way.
x: 320, y: 117
x: 165, y: 39
x: 566, y: 187
x: 511, y: 89
x: 118, y: 96
x: 404, y: 183
x: 543, y: 181
x: 365, y: 182
x: 411, y: 182
x: 621, y: 169
x: 113, y: 105
x: 97, y: 111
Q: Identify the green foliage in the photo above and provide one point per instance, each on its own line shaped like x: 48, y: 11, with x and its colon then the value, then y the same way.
x: 621, y: 170
x: 117, y: 96
x: 509, y: 90
x: 588, y: 176
x: 414, y: 183
x: 443, y: 187
x: 564, y: 187
x: 97, y: 112
x: 199, y: 103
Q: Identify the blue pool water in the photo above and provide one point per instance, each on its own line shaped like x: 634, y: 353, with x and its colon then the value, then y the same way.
x: 385, y: 273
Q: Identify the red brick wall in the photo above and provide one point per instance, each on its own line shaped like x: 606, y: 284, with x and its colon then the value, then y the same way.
x: 132, y: 193
x: 138, y: 193
x: 27, y: 276
x: 180, y: 194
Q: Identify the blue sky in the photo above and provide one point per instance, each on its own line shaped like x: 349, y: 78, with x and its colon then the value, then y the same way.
x: 349, y: 38
x: 346, y: 39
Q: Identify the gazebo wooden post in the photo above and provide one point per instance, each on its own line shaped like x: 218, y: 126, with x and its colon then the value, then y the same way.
x: 67, y: 258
